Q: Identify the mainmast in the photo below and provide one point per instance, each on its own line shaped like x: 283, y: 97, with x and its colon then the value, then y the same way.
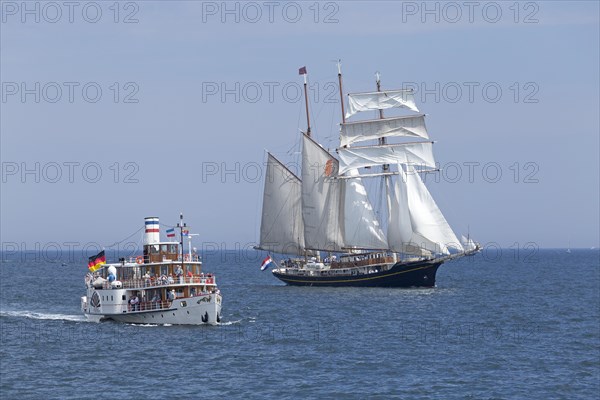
x: 339, y: 65
x: 302, y: 71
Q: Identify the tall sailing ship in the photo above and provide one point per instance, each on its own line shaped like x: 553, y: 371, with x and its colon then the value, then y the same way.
x: 325, y: 219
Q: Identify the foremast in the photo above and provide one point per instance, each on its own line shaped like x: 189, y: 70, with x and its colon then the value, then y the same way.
x: 415, y: 225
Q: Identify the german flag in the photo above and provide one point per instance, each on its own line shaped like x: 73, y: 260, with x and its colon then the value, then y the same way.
x: 95, y: 262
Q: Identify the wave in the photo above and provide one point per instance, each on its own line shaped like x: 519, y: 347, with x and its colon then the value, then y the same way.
x: 44, y: 316
x: 229, y: 323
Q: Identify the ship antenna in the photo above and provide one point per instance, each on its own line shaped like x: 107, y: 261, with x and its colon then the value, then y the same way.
x: 302, y: 71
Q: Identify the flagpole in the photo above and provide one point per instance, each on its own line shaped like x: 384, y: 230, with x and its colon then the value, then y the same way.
x: 181, y: 225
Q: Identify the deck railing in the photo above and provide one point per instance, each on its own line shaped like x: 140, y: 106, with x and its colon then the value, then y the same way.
x: 162, y: 281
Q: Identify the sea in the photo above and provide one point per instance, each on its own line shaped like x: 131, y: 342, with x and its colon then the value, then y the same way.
x: 503, y: 324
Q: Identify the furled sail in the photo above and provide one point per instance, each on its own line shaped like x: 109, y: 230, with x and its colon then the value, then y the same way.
x: 281, y: 229
x: 406, y: 126
x: 420, y: 153
x: 321, y: 193
x: 361, y: 226
x: 416, y: 224
x: 380, y: 101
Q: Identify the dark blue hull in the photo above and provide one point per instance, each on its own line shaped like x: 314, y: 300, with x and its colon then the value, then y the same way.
x: 411, y: 274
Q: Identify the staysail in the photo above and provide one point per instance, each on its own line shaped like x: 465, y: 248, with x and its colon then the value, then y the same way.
x: 416, y: 222
x: 321, y: 195
x: 281, y: 229
x: 406, y: 126
x: 380, y: 101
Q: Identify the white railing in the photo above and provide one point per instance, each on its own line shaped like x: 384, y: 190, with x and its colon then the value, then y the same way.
x: 163, y: 281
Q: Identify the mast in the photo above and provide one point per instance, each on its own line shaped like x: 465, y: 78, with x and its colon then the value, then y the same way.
x: 386, y: 167
x: 302, y: 71
x: 382, y: 142
x: 181, y: 225
x: 339, y: 65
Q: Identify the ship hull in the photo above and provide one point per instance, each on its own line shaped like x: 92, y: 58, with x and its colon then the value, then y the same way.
x: 205, y: 310
x: 411, y: 274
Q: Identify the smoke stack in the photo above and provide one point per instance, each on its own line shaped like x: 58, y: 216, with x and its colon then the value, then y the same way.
x: 152, y: 234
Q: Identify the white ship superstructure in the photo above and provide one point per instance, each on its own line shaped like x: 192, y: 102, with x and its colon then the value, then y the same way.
x: 164, y: 285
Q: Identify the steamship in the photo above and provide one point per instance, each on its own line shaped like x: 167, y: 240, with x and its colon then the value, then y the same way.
x: 164, y: 285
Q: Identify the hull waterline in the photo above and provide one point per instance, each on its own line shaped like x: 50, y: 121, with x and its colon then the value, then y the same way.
x: 414, y: 274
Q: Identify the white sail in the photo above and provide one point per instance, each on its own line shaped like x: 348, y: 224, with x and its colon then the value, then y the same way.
x: 405, y: 153
x: 281, y: 228
x: 321, y: 206
x: 361, y: 227
x: 406, y: 126
x: 429, y: 230
x: 400, y: 231
x: 467, y: 243
x: 380, y: 101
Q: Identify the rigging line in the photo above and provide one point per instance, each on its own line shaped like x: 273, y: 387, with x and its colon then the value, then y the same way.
x: 121, y: 241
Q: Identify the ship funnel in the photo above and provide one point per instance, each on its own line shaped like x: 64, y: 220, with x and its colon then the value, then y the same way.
x: 152, y: 234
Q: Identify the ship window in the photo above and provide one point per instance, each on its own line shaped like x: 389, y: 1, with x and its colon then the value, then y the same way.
x: 123, y: 297
x: 183, y: 304
x: 111, y: 298
x: 164, y: 270
x: 172, y: 248
x: 163, y: 248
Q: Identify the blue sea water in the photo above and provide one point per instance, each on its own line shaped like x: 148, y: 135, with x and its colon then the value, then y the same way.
x: 501, y: 326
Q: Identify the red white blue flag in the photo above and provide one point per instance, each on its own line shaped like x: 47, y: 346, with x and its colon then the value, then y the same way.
x: 185, y: 232
x: 266, y: 262
x: 171, y: 232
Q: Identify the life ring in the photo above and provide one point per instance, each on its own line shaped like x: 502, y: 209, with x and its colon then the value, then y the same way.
x: 139, y: 260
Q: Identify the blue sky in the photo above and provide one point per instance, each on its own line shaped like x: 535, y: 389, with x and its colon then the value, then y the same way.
x: 166, y: 138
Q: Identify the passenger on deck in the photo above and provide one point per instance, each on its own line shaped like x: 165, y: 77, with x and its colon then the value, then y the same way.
x: 179, y: 271
x: 135, y: 303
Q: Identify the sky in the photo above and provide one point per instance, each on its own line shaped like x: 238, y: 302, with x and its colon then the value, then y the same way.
x: 114, y: 111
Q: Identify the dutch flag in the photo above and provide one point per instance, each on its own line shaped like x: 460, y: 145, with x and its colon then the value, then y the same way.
x: 266, y: 262
x: 171, y: 232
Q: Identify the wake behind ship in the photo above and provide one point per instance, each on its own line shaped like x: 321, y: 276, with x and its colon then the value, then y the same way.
x: 325, y: 218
